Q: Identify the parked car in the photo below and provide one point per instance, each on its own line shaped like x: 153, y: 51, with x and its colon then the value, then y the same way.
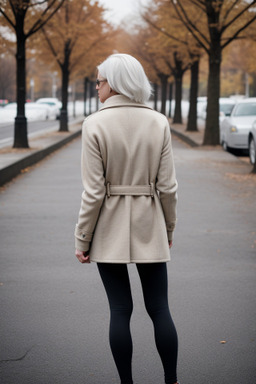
x: 201, y: 106
x: 3, y: 102
x: 252, y: 143
x: 54, y: 106
x: 234, y: 130
x: 36, y: 111
x: 33, y: 112
x: 226, y: 106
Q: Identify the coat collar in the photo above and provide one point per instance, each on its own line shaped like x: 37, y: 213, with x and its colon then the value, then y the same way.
x: 121, y: 101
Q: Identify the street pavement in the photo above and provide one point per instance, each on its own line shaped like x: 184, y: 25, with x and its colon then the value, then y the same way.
x: 41, y: 144
x: 54, y: 312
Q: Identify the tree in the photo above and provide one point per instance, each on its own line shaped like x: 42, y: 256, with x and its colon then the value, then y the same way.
x: 71, y: 38
x: 25, y: 17
x: 225, y: 21
x: 146, y: 46
x: 163, y: 18
x: 239, y: 62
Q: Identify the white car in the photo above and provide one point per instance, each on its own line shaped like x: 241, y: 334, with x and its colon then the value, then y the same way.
x: 234, y: 130
x: 33, y: 112
x: 226, y: 106
x: 37, y: 112
x: 252, y: 143
x: 53, y: 104
x: 201, y: 106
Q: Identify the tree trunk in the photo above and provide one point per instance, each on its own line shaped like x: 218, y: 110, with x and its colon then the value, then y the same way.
x: 170, y: 99
x: 20, y: 126
x: 178, y: 92
x: 253, y: 85
x: 192, y: 114
x: 212, y: 134
x: 163, y: 79
x: 178, y: 74
x: 64, y: 91
x: 85, y: 94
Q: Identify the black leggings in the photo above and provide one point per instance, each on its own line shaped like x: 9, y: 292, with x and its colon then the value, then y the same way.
x: 154, y: 282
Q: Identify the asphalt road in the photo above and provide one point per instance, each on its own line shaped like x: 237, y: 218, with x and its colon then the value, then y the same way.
x: 34, y: 128
x: 54, y: 314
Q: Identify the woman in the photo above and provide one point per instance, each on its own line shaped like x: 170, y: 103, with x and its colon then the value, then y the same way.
x: 128, y: 208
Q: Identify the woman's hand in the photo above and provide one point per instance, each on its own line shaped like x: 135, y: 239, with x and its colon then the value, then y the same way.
x: 170, y: 244
x: 83, y: 257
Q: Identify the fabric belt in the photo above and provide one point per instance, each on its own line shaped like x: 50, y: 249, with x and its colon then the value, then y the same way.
x: 130, y: 190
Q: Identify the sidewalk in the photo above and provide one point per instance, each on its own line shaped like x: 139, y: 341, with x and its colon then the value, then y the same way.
x: 194, y: 139
x: 54, y: 311
x: 13, y: 160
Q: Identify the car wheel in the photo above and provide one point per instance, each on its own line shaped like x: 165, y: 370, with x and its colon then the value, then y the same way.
x: 224, y: 145
x: 252, y: 150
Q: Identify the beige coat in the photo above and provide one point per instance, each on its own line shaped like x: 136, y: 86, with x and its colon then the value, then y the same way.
x: 126, y: 144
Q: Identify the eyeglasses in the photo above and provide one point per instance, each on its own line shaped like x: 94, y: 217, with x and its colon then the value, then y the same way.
x: 100, y: 81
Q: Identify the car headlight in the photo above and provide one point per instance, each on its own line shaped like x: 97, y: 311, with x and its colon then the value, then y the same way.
x: 233, y: 129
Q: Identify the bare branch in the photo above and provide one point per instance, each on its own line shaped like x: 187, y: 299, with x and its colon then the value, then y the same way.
x: 12, y: 7
x: 199, y: 4
x: 163, y: 31
x: 238, y: 32
x: 55, y: 54
x: 39, y: 23
x: 191, y: 26
x: 7, y: 18
x: 37, y: 3
x: 229, y: 9
x: 237, y: 16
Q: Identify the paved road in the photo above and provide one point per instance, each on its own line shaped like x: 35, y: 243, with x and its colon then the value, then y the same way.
x: 35, y: 128
x: 53, y: 310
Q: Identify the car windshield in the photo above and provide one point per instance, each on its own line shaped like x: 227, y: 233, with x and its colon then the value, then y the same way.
x: 245, y: 109
x: 226, y: 108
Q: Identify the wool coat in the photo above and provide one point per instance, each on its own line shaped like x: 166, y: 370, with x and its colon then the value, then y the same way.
x: 127, y: 145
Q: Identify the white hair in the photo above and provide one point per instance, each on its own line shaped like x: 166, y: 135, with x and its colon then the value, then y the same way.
x: 126, y: 76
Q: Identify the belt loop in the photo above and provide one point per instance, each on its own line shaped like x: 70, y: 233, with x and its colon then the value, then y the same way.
x: 152, y: 190
x: 108, y: 189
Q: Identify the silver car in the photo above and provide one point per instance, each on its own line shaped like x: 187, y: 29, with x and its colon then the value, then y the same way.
x: 252, y: 143
x: 234, y: 130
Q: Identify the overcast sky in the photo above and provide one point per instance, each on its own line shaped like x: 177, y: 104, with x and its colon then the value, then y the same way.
x: 119, y: 9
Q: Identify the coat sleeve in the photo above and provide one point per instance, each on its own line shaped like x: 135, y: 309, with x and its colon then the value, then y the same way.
x: 167, y: 185
x: 94, y: 188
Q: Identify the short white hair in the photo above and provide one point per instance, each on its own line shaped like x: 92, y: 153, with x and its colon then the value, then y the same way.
x: 126, y: 76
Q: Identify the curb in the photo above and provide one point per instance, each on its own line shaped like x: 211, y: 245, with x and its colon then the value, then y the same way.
x: 184, y: 138
x: 11, y: 171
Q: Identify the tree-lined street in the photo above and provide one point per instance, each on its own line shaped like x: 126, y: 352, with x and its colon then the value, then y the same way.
x: 54, y: 311
x: 54, y: 315
x: 66, y: 40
